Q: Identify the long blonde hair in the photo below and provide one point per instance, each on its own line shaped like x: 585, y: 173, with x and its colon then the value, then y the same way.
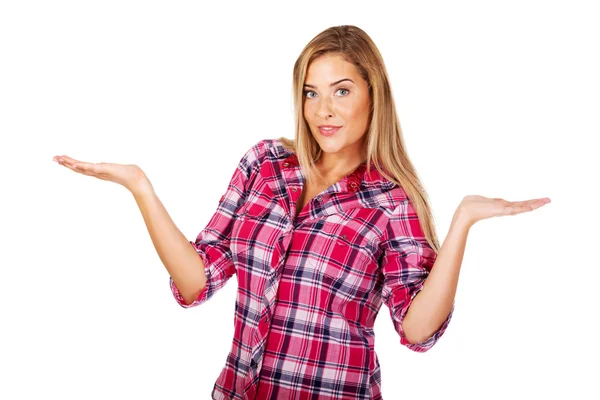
x: 385, y: 143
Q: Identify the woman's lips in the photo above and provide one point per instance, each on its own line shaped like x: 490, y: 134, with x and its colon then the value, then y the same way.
x: 329, y: 132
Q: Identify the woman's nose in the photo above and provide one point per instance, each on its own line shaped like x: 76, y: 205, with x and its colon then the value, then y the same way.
x: 325, y: 109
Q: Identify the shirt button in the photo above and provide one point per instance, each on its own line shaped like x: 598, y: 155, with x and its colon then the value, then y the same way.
x: 285, y: 164
x: 344, y: 236
x: 353, y: 184
x: 294, y: 188
x: 319, y: 198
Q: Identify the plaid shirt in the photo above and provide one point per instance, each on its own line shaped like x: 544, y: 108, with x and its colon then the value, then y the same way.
x: 310, y: 287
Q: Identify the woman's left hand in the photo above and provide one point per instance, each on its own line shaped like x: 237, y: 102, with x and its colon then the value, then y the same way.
x: 475, y: 208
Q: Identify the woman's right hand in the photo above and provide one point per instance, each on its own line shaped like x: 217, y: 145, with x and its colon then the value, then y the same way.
x: 128, y: 175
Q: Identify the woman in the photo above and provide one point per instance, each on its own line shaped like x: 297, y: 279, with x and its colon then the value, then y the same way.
x: 321, y: 231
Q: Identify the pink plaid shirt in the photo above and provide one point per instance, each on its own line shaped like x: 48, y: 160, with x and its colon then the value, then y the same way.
x: 310, y: 287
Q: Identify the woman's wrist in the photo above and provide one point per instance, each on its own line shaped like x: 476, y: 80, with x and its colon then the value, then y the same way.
x: 462, y: 217
x: 141, y: 186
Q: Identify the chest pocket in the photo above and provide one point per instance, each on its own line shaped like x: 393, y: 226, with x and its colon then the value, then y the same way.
x: 256, y: 227
x: 351, y: 250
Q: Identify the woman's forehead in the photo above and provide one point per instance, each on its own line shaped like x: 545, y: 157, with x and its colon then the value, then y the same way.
x: 329, y: 69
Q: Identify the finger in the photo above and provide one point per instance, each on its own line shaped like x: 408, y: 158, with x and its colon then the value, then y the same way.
x: 537, y: 204
x: 69, y: 160
x: 78, y: 166
x: 71, y: 167
x: 83, y: 166
x: 516, y: 209
x: 66, y: 161
x: 521, y: 209
x: 504, y: 202
x: 91, y: 168
x: 534, y: 203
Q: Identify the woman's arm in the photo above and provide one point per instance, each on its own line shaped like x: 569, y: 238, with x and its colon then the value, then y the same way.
x: 195, y: 266
x: 180, y: 259
x: 431, y: 306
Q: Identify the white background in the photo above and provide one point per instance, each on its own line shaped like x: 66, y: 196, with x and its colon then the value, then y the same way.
x: 496, y: 99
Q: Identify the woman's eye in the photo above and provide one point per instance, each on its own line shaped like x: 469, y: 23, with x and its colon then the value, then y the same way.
x: 308, y: 92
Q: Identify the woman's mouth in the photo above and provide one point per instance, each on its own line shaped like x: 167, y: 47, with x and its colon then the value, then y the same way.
x: 328, y: 130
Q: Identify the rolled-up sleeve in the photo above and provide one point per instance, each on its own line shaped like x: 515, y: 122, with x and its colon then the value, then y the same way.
x: 212, y: 243
x: 407, y: 260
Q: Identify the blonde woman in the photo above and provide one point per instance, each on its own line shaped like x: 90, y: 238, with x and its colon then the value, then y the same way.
x: 321, y: 231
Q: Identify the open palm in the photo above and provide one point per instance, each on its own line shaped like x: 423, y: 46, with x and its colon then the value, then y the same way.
x: 478, y: 208
x: 130, y: 176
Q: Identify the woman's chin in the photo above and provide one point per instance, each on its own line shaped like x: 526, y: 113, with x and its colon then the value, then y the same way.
x: 331, y: 147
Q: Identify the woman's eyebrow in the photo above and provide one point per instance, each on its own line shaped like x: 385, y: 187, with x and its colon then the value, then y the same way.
x: 333, y: 84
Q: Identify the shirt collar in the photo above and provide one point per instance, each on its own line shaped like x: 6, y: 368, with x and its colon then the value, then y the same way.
x: 354, y: 180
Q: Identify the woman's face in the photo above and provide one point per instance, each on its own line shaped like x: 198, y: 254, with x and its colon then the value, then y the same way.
x: 335, y: 94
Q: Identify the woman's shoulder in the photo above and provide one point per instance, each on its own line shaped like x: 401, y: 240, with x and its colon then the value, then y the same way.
x: 267, y: 149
